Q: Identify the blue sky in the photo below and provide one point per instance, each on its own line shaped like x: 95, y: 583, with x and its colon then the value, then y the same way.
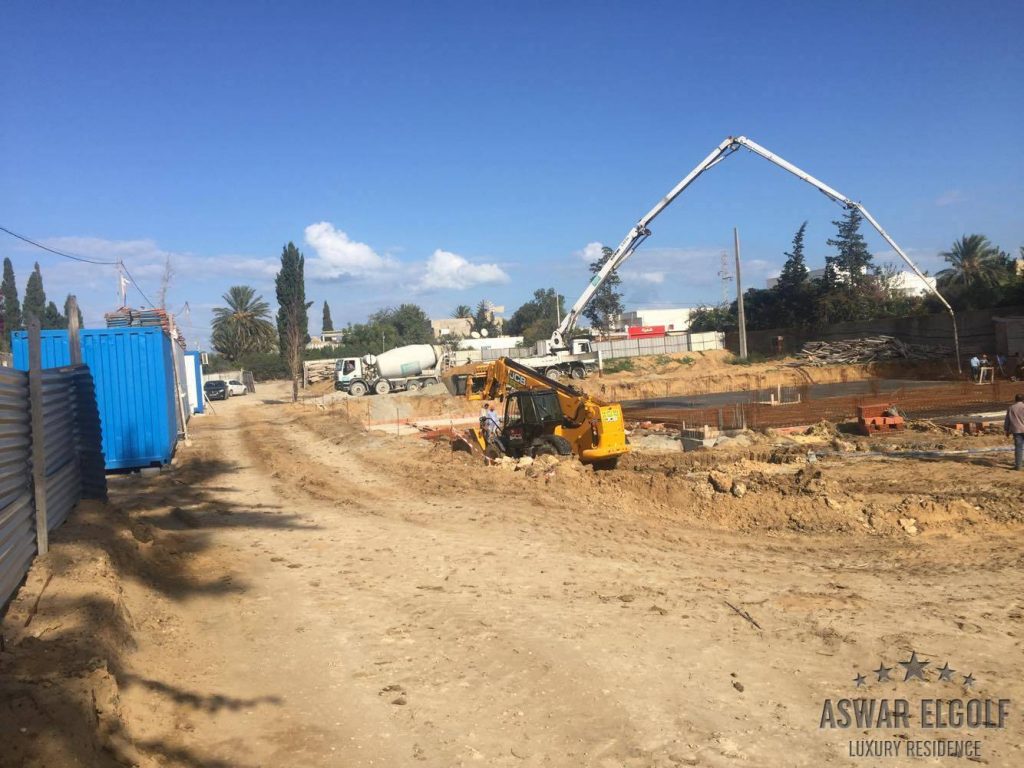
x: 445, y: 152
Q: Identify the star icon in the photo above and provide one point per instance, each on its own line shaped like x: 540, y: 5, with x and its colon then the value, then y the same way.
x: 969, y: 680
x: 859, y: 680
x: 883, y: 672
x: 946, y: 673
x: 914, y: 667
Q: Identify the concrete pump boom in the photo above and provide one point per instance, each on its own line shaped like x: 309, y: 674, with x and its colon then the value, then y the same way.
x: 641, y: 232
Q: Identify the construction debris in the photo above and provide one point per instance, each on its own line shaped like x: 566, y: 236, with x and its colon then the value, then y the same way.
x: 318, y: 370
x: 868, y: 350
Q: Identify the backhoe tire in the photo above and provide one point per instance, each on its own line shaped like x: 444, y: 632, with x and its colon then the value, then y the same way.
x: 382, y: 387
x: 560, y: 444
x: 357, y: 389
x: 543, y: 448
x: 579, y: 372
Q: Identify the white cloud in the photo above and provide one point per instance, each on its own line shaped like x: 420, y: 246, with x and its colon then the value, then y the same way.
x: 591, y: 252
x: 447, y: 270
x: 339, y: 256
x: 654, y: 278
x: 950, y: 197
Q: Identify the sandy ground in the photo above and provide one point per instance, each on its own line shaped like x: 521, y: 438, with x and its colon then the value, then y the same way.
x: 297, y: 591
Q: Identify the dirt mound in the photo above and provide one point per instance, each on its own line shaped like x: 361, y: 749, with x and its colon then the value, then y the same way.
x: 719, y: 371
x: 66, y: 632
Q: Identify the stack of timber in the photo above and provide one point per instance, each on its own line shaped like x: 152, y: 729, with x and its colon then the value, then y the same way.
x: 153, y: 317
x: 867, y: 350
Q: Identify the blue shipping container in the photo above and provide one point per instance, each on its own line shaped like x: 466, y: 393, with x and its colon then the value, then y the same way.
x: 133, y: 372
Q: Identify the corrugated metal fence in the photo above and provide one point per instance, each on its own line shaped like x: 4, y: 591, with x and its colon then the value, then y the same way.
x: 72, y: 464
x: 661, y: 345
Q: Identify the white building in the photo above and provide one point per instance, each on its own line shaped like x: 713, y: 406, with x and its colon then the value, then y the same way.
x: 905, y: 282
x: 491, y: 342
x: 674, y: 320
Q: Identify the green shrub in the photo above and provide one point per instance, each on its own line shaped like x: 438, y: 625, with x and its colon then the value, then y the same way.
x: 618, y: 365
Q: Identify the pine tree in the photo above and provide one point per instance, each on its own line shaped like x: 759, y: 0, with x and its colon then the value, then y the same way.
x: 605, y: 305
x: 67, y: 311
x: 11, y: 305
x: 35, y: 296
x: 852, y: 265
x: 292, y: 320
x: 794, y: 271
x: 328, y: 324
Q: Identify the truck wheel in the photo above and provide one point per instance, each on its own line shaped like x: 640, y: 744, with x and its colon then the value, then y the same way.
x: 429, y: 382
x: 382, y: 387
x: 579, y: 372
x: 413, y: 385
x: 357, y: 389
x: 553, y: 373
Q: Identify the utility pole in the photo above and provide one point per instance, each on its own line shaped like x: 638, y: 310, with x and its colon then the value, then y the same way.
x: 741, y: 317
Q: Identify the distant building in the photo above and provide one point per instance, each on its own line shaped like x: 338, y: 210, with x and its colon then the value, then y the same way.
x: 446, y: 326
x: 673, y: 320
x: 463, y: 326
x: 906, y: 283
x: 326, y: 339
x: 492, y: 342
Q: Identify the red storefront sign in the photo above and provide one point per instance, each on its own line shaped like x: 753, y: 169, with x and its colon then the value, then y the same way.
x: 645, y: 331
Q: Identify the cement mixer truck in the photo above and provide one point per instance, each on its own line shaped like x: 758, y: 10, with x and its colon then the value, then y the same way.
x: 397, y: 370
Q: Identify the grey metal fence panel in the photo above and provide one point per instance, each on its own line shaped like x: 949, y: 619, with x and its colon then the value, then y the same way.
x: 74, y: 460
x: 88, y: 435
x: 17, y: 513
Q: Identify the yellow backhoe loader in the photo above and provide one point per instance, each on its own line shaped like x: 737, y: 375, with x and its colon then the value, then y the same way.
x: 541, y: 416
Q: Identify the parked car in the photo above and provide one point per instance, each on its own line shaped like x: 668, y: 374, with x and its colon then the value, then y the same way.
x: 235, y: 387
x: 216, y: 390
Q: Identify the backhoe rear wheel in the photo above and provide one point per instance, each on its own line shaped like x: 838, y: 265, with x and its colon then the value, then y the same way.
x: 543, y: 449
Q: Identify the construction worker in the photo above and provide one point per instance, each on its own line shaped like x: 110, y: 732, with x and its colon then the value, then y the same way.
x: 975, y: 367
x: 492, y: 420
x: 1014, y: 425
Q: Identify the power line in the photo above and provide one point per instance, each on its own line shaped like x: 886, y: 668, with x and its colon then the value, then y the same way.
x: 59, y: 253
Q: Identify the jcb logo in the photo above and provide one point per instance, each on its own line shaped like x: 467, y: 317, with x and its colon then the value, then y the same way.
x: 517, y: 378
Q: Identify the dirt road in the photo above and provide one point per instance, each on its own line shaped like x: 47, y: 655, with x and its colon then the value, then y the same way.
x: 312, y: 595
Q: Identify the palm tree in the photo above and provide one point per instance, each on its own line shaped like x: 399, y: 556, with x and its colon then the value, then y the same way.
x: 243, y: 326
x: 463, y: 312
x: 973, y: 261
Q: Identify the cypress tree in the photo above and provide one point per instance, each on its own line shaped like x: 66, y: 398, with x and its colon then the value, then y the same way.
x: 12, y: 307
x: 35, y: 296
x: 292, y: 320
x: 328, y: 323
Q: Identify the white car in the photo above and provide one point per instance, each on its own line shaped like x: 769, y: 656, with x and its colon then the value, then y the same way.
x: 235, y: 387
